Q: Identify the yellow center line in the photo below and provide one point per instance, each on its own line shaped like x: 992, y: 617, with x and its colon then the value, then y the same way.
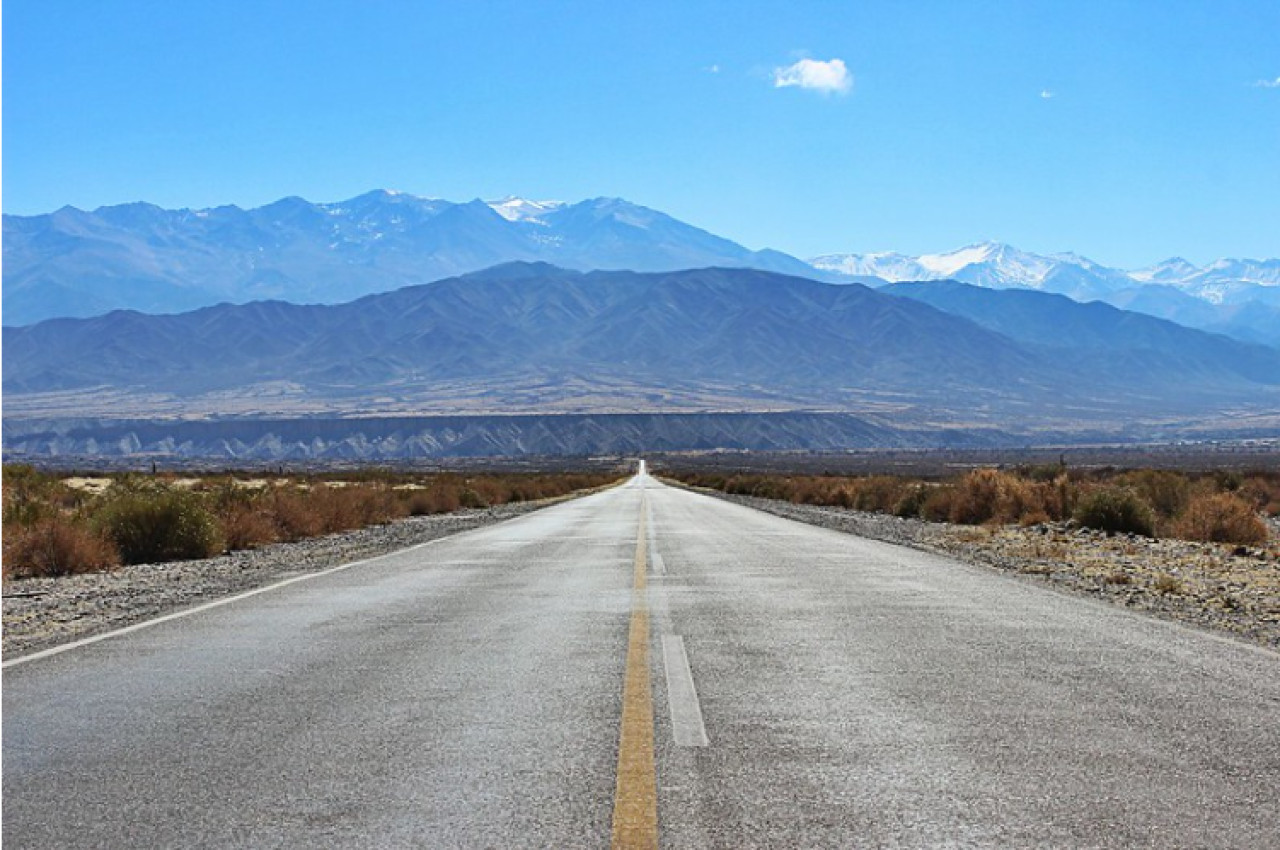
x: 635, y: 803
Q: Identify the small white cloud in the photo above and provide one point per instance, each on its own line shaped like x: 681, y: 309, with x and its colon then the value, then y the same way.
x: 713, y: 69
x: 1268, y: 84
x: 1045, y: 94
x: 830, y: 77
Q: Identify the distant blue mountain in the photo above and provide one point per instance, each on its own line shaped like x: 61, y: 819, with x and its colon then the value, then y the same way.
x: 137, y: 256
x: 536, y: 338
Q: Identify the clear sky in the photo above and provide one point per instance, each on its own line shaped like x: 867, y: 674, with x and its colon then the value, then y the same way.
x: 1124, y: 131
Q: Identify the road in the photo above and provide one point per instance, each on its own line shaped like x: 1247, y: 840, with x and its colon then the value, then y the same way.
x: 647, y: 666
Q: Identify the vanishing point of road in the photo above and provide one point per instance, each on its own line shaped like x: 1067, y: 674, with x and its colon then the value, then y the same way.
x: 646, y: 667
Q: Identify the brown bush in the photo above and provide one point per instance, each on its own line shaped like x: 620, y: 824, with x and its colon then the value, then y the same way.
x: 938, y: 504
x: 879, y: 493
x: 1221, y: 518
x: 345, y: 508
x: 247, y: 526
x: 989, y: 495
x: 56, y: 546
x: 289, y: 509
x: 435, y: 500
x: 1263, y: 492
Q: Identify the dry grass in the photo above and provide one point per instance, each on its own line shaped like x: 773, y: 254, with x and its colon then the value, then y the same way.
x: 56, y: 546
x: 1217, y: 507
x: 55, y: 527
x: 1221, y: 518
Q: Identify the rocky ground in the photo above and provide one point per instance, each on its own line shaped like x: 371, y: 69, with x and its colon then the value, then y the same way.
x: 1230, y: 589
x: 44, y: 612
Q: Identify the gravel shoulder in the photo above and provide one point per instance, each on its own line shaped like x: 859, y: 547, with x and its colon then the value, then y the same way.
x: 39, y: 613
x: 1227, y: 589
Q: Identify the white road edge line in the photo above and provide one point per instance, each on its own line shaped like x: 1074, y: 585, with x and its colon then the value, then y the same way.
x: 217, y: 603
x: 686, y: 712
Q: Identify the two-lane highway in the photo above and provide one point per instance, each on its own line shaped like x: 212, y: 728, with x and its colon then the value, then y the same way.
x: 647, y: 666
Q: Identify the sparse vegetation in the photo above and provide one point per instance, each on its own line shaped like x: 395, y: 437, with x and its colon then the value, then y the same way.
x: 51, y: 528
x: 1207, y: 506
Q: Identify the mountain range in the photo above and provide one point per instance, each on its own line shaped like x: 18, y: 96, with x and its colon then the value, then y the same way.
x: 534, y: 338
x: 1240, y: 298
x: 72, y: 263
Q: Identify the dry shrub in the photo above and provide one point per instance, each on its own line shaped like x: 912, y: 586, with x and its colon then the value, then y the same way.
x: 989, y: 495
x: 814, y: 491
x: 347, y: 508
x: 1221, y: 518
x: 1034, y: 516
x: 878, y: 493
x: 245, y: 526
x: 911, y: 502
x: 937, y: 504
x: 435, y: 500
x: 56, y: 546
x: 1262, y: 490
x: 294, y: 518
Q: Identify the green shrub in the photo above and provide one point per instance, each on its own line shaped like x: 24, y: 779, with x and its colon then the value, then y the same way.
x: 1115, y: 510
x: 1167, y: 492
x: 31, y: 496
x: 155, y: 524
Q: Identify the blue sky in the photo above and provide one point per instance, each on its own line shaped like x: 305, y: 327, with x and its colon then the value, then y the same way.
x: 1125, y: 131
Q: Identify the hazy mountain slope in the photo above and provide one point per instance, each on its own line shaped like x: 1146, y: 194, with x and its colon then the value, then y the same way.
x: 1095, y: 333
x: 712, y: 324
x: 534, y: 337
x: 139, y: 256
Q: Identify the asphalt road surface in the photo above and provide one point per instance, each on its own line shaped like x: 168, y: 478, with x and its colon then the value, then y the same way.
x: 647, y: 667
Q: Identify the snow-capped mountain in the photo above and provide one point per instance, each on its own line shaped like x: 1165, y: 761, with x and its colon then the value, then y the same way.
x: 1237, y: 297
x: 1002, y: 266
x: 990, y: 264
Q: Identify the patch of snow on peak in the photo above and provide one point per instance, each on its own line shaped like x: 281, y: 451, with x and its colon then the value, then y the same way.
x: 948, y: 264
x: 1172, y: 270
x: 521, y: 209
x: 885, y: 265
